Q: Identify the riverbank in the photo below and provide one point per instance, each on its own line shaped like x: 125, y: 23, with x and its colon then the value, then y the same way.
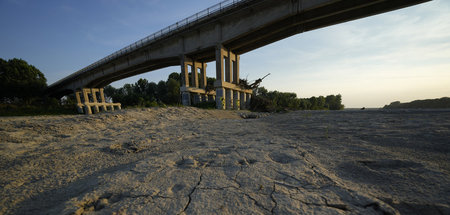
x: 194, y: 161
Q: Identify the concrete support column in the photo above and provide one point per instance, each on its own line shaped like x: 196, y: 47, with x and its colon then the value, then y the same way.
x: 186, y: 98
x: 194, y: 76
x: 229, y: 99
x: 203, y: 83
x: 94, y: 92
x: 248, y: 97
x: 196, y: 98
x: 219, y: 63
x: 236, y: 77
x: 87, y: 107
x: 220, y: 91
x: 185, y: 95
x: 92, y: 104
x: 102, y: 99
x: 228, y: 72
x: 236, y: 102
x: 185, y: 62
x: 243, y: 101
x: 79, y: 104
x: 200, y: 82
x: 220, y: 98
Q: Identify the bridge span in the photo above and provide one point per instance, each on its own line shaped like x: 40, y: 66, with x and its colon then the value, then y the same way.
x: 220, y: 33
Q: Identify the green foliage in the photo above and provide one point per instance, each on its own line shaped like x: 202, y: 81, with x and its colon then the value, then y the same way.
x: 173, y: 91
x: 421, y: 104
x: 146, y: 94
x: 274, y: 101
x: 20, y: 82
x: 161, y: 91
x: 175, y: 76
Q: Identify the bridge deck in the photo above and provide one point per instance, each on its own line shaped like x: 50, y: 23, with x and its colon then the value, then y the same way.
x: 238, y: 25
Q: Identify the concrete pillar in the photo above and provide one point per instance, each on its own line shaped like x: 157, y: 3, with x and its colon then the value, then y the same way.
x: 102, y: 99
x: 229, y: 99
x: 194, y: 76
x: 220, y: 91
x: 236, y: 102
x: 87, y: 109
x: 243, y: 101
x: 220, y: 98
x: 236, y: 77
x: 203, y: 75
x: 186, y: 98
x: 219, y: 63
x: 185, y: 62
x: 248, y: 97
x: 196, y: 98
x: 86, y: 95
x: 185, y: 95
x: 228, y: 72
x: 200, y: 82
x: 87, y: 102
x: 79, y: 104
x: 94, y: 92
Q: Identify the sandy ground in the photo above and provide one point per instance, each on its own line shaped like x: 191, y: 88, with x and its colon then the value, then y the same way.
x: 192, y: 161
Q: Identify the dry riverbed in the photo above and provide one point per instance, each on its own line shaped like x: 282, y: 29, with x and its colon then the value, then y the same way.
x: 193, y: 161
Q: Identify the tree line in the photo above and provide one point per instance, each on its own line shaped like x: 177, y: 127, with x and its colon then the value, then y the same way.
x: 23, y: 87
x: 150, y: 94
x: 274, y: 101
x: 421, y: 104
x: 147, y: 94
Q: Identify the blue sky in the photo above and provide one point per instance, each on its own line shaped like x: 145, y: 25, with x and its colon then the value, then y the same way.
x: 401, y: 55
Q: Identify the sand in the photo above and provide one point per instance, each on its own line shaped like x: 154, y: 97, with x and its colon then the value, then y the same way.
x: 193, y: 161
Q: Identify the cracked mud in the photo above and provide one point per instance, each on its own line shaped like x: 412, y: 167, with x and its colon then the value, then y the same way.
x: 191, y: 161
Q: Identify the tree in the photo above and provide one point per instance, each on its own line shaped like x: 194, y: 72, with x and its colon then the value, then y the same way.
x: 20, y: 81
x: 151, y: 91
x: 110, y: 91
x: 173, y: 91
x: 174, y: 75
x: 161, y: 91
x: 141, y: 87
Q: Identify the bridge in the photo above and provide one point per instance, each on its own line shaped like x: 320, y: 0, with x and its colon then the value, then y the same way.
x: 220, y: 33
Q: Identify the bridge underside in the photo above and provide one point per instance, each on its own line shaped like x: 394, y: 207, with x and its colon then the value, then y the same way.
x: 225, y: 36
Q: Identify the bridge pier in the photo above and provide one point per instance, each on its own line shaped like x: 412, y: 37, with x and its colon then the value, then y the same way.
x: 227, y: 95
x: 193, y: 88
x: 87, y: 101
x: 227, y: 81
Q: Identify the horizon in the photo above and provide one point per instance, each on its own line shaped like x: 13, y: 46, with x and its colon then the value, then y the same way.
x: 396, y: 56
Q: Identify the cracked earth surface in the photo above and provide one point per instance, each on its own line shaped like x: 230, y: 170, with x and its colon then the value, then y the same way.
x: 192, y: 161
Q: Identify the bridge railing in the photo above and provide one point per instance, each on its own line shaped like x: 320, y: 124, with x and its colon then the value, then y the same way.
x: 180, y: 25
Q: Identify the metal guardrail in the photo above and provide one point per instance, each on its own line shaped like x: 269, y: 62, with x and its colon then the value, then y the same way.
x: 178, y: 26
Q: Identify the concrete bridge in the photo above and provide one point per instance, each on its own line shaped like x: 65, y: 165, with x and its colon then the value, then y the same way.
x: 220, y: 33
